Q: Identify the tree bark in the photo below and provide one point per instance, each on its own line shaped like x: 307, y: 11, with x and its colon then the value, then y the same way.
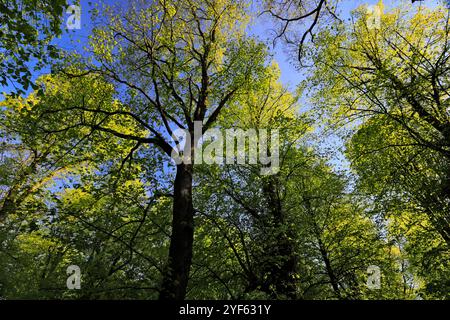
x: 176, y: 277
x: 329, y: 269
x: 281, y: 281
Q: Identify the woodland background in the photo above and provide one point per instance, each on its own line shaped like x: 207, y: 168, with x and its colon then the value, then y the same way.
x: 86, y: 177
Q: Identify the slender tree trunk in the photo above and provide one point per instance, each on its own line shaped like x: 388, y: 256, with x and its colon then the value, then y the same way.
x: 282, y: 274
x: 329, y: 269
x: 175, y: 279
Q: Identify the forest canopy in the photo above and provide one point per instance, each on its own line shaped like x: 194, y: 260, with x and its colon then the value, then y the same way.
x: 165, y: 155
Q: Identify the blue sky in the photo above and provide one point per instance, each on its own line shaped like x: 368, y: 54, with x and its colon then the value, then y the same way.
x: 262, y: 27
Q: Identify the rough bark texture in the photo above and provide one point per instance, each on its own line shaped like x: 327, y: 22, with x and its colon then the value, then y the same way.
x: 175, y: 279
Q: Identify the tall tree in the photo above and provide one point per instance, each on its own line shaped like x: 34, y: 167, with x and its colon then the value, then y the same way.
x: 172, y: 63
x: 392, y: 78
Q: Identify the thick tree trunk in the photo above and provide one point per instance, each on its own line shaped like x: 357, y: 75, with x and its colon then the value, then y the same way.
x: 175, y: 279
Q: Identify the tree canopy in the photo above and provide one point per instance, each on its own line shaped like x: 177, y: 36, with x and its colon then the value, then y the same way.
x: 169, y: 160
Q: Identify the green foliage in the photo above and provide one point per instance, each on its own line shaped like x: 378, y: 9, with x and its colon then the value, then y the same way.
x: 27, y: 28
x: 387, y: 83
x: 85, y: 178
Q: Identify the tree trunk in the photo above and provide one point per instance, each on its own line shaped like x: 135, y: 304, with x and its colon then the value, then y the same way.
x: 281, y: 281
x: 175, y: 279
x: 329, y: 269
